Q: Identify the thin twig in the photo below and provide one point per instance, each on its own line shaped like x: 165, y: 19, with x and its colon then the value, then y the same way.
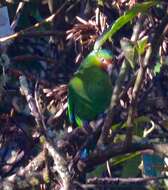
x: 17, y: 16
x: 44, y: 33
x: 135, y: 91
x: 23, y: 58
x: 123, y: 181
x: 47, y: 20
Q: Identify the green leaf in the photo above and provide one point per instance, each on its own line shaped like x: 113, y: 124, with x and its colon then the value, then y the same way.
x: 116, y: 126
x: 141, y: 45
x: 129, y: 51
x: 122, y: 20
x: 130, y: 168
x: 100, y: 2
x: 141, y: 120
x: 98, y: 171
x: 120, y: 159
x: 157, y: 68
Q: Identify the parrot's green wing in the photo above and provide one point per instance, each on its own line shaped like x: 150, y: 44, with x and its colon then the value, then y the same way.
x: 89, y: 93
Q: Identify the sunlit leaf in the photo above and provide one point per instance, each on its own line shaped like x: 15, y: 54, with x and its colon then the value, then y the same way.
x: 157, y: 68
x: 141, y: 45
x: 122, y: 20
x: 100, y: 2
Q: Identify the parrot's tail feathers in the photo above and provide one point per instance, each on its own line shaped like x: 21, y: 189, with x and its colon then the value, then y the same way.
x: 71, y: 118
x: 71, y: 112
x: 79, y: 122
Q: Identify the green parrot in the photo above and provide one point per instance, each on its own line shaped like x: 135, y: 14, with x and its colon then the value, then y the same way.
x: 90, y: 89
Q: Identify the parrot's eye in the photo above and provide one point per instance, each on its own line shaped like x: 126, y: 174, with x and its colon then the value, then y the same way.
x: 102, y: 60
x: 105, y: 62
x: 106, y: 65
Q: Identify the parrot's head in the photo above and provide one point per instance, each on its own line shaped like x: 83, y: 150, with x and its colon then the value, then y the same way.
x: 103, y: 58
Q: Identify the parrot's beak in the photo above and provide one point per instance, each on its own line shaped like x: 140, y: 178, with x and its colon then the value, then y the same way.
x: 107, y: 65
x: 109, y: 69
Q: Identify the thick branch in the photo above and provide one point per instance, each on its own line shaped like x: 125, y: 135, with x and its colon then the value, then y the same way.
x: 123, y: 181
x: 101, y: 156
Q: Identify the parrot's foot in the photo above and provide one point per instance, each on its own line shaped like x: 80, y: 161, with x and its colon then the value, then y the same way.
x: 88, y: 129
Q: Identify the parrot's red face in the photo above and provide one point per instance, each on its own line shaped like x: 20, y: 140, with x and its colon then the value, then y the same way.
x: 106, y: 65
x: 102, y: 58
